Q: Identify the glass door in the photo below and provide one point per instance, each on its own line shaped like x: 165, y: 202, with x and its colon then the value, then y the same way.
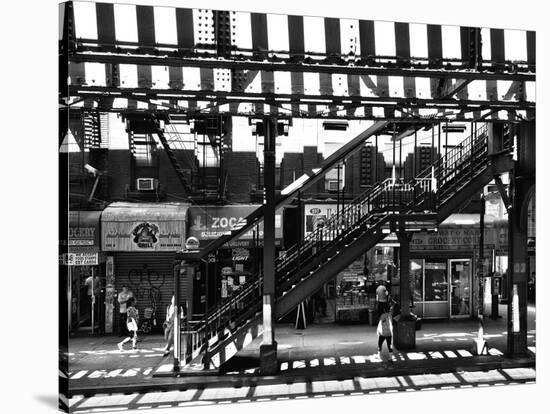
x: 436, y: 289
x: 460, y: 281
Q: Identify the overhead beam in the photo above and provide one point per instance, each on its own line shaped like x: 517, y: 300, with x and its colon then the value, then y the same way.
x: 421, y: 71
x: 283, y: 98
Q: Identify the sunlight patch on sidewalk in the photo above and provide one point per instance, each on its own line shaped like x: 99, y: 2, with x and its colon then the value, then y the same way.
x: 165, y: 368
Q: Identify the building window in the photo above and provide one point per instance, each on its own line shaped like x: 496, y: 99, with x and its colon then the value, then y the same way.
x: 335, y: 179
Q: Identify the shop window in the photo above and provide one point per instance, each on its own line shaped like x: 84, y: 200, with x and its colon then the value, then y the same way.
x: 416, y: 279
x: 436, y: 282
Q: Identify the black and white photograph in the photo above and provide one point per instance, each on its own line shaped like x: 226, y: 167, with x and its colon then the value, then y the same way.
x: 270, y: 207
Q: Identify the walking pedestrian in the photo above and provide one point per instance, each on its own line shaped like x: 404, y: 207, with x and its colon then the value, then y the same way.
x: 123, y: 298
x: 169, y: 325
x: 93, y: 285
x: 385, y: 331
x: 131, y: 323
x: 381, y: 297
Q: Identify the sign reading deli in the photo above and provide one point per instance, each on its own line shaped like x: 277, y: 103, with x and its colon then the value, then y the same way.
x: 139, y: 227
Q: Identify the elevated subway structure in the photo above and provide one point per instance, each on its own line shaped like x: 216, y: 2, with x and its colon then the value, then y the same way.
x: 237, y: 68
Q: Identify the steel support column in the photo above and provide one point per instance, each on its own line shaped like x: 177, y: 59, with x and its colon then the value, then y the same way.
x: 178, y: 263
x: 268, y: 349
x: 522, y: 180
x: 405, y: 326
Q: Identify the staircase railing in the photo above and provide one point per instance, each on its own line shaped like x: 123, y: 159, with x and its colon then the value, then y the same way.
x: 426, y: 192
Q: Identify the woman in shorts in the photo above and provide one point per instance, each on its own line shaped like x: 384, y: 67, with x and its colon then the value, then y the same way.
x: 131, y: 323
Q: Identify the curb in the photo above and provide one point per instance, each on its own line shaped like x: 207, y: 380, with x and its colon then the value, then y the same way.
x: 385, y: 369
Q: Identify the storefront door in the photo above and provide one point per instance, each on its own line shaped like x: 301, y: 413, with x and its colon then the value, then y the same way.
x: 460, y: 287
x: 436, y: 289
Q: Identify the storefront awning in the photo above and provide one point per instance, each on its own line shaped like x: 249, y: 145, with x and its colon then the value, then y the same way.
x: 144, y: 226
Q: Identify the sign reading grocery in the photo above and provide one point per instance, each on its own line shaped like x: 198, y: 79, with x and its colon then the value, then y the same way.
x: 83, y: 232
x: 82, y: 236
x: 460, y: 238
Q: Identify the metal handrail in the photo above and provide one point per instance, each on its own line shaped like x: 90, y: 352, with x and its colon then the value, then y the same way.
x: 386, y: 196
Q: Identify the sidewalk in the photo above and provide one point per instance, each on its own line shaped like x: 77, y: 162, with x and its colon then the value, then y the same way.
x: 328, y: 351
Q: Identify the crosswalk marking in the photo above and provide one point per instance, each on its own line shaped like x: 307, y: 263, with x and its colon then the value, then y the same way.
x: 132, y: 372
x: 97, y: 373
x: 416, y: 355
x: 114, y: 373
x: 329, y: 361
x: 79, y: 374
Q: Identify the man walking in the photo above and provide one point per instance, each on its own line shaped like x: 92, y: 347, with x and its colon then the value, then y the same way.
x: 381, y: 297
x: 122, y: 300
x: 93, y: 286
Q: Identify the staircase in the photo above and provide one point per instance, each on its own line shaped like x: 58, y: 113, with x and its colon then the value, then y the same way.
x: 205, y: 186
x: 422, y: 203
x: 170, y: 140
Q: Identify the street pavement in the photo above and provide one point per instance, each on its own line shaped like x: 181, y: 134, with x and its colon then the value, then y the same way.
x: 327, y: 360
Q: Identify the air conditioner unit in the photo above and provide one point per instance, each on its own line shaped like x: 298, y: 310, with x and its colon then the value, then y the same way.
x: 146, y: 184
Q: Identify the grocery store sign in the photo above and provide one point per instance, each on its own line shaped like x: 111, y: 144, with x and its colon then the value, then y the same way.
x: 460, y: 238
